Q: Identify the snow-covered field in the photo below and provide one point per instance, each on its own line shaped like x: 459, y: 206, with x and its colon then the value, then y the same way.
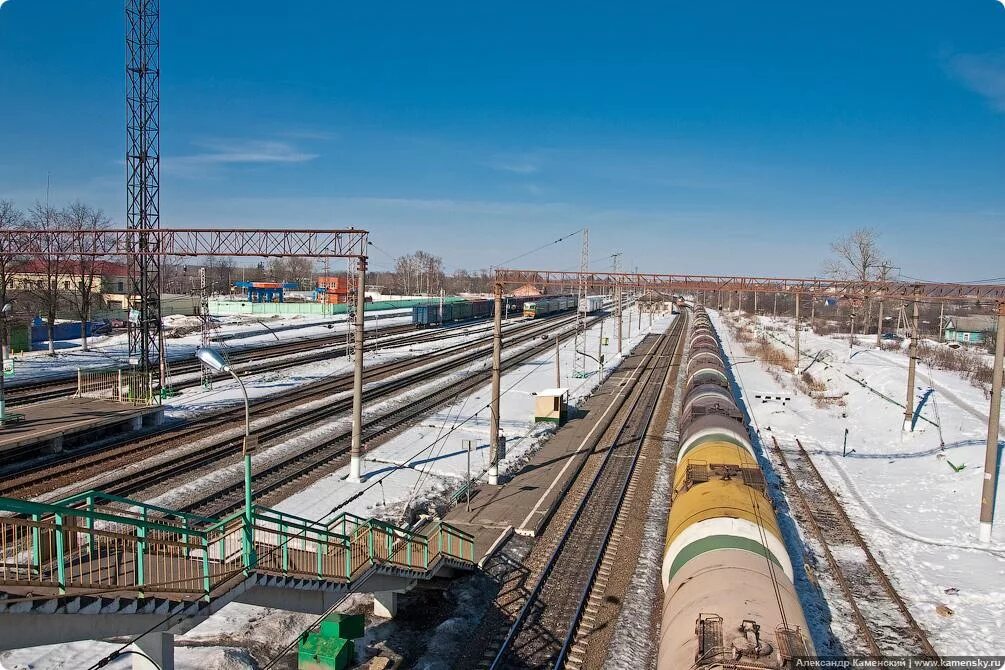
x: 418, y: 465
x: 918, y: 514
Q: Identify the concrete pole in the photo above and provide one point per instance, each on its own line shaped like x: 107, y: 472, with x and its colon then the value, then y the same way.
x: 640, y: 316
x: 496, y: 383
x: 879, y: 325
x: 356, y: 451
x: 912, y: 366
x: 600, y: 348
x: 942, y: 327
x: 558, y: 364
x: 755, y: 303
x: 774, y: 307
x: 619, y: 317
x: 729, y: 304
x: 851, y: 327
x: 795, y: 366
x: 813, y: 314
x: 994, y: 416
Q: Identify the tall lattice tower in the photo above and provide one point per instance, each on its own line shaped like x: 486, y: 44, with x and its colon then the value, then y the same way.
x: 579, y: 355
x: 143, y: 184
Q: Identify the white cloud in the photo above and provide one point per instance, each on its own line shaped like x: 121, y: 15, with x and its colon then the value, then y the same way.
x: 983, y: 74
x: 516, y: 163
x: 220, y: 153
x: 2, y: 2
x: 248, y: 151
x: 516, y: 168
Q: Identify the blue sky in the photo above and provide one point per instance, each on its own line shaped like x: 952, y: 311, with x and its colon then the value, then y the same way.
x: 717, y: 137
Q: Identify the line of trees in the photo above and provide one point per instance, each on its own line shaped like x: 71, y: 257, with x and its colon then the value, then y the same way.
x: 64, y: 274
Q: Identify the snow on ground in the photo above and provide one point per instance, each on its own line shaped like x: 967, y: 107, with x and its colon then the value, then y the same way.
x: 237, y: 331
x: 421, y: 463
x: 918, y: 515
x: 431, y: 452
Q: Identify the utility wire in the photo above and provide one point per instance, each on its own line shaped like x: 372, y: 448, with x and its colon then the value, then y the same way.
x: 535, y: 250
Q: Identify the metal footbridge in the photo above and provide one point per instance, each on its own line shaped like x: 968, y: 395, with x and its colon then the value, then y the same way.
x: 97, y: 565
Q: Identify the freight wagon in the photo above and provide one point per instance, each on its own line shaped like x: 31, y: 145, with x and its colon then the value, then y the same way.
x: 591, y: 303
x: 553, y: 305
x: 454, y: 312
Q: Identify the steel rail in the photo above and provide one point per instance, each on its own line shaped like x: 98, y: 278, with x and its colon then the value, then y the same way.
x: 553, y: 559
x: 571, y: 635
x: 44, y: 474
x: 847, y: 590
x: 325, y: 347
x: 303, y: 463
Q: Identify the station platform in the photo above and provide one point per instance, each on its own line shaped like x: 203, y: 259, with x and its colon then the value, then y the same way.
x: 60, y: 424
x: 525, y: 503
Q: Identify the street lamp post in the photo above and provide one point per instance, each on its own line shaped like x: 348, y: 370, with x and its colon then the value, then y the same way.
x: 215, y: 360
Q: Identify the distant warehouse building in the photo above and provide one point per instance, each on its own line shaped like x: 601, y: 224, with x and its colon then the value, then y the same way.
x: 528, y: 291
x: 969, y: 329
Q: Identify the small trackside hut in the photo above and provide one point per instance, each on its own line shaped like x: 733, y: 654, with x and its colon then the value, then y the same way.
x: 552, y: 405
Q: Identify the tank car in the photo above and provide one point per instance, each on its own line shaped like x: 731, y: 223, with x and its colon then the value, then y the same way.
x: 729, y: 598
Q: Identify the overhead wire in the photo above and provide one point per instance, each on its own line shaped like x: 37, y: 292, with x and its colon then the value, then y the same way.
x: 536, y: 249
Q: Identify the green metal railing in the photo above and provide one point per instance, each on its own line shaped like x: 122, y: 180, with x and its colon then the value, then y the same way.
x: 99, y: 543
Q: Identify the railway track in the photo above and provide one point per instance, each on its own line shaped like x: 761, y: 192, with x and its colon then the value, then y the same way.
x: 555, y: 620
x: 47, y: 472
x: 886, y: 626
x: 323, y: 348
x: 276, y: 481
x: 74, y: 469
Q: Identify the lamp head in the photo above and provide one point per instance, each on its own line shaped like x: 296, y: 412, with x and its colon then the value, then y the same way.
x: 212, y: 358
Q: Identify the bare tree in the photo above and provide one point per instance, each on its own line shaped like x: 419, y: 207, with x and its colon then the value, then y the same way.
x: 49, y: 265
x: 857, y: 257
x: 10, y: 217
x: 82, y: 266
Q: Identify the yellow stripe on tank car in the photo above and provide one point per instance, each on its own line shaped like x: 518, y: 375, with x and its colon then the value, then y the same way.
x: 717, y: 497
x: 714, y: 451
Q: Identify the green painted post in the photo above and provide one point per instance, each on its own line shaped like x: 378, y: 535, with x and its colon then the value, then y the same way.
x: 425, y: 555
x: 36, y: 546
x: 286, y: 546
x: 348, y: 557
x: 390, y: 543
x: 408, y: 551
x: 471, y: 545
x: 439, y: 538
x: 141, y: 550
x: 318, y: 544
x: 369, y: 539
x: 90, y: 524
x: 184, y: 537
x: 206, y: 584
x: 60, y: 562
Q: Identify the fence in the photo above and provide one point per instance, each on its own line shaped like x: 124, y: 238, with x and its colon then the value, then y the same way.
x: 118, y: 384
x: 95, y: 543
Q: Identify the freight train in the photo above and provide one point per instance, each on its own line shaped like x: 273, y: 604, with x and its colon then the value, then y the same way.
x: 729, y: 598
x: 469, y: 310
x: 550, y: 305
